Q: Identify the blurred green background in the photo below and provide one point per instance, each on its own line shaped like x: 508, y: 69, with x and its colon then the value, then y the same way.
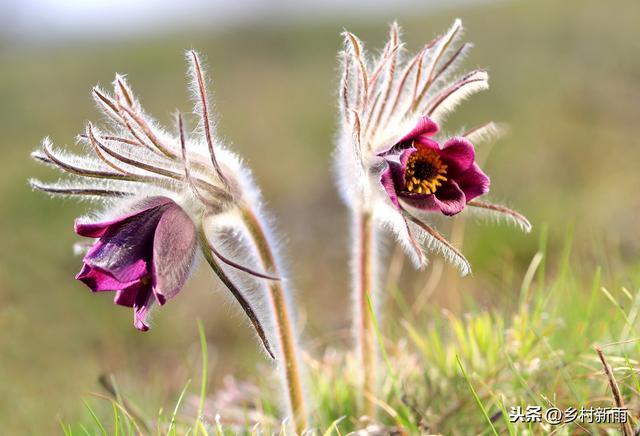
x: 565, y: 77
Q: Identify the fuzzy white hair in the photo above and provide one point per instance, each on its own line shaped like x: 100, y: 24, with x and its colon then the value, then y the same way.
x: 134, y: 157
x: 380, y: 100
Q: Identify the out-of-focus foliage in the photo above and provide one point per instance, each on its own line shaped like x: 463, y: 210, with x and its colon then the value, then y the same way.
x: 540, y: 352
x: 564, y: 77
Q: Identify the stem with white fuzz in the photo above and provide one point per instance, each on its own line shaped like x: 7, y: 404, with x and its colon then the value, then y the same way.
x: 364, y: 258
x: 285, y: 330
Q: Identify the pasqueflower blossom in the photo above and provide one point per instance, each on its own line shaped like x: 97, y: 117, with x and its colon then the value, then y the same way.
x: 138, y: 164
x: 391, y: 162
x: 144, y: 255
x: 392, y: 171
x: 163, y: 195
x: 430, y: 177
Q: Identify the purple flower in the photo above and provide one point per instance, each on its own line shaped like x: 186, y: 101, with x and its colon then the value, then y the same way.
x: 431, y: 177
x: 144, y: 256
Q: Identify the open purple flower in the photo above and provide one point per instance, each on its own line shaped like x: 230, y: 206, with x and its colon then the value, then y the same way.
x: 429, y: 177
x: 143, y: 256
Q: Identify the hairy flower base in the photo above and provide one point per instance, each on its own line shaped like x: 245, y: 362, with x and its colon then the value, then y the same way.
x: 429, y: 177
x: 143, y: 256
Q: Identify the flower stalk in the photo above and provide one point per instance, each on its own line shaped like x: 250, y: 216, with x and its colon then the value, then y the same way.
x: 283, y: 323
x: 363, y: 289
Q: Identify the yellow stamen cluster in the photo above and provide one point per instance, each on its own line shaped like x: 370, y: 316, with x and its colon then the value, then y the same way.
x: 425, y: 172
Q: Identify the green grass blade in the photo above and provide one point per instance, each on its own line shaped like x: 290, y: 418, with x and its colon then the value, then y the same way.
x: 84, y: 429
x: 561, y: 368
x: 116, y: 420
x: 334, y: 427
x: 120, y: 400
x: 392, y: 374
x: 617, y: 305
x: 203, y: 428
x: 521, y: 379
x: 219, y: 429
x: 475, y: 395
x: 67, y: 430
x: 129, y: 418
x: 542, y: 248
x: 172, y: 422
x: 205, y: 367
x: 380, y: 343
x: 95, y: 418
x: 597, y: 279
x: 567, y: 249
x: 505, y: 414
x: 525, y: 286
x: 633, y: 371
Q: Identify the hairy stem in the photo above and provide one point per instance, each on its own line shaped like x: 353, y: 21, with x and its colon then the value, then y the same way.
x: 363, y: 286
x: 285, y: 330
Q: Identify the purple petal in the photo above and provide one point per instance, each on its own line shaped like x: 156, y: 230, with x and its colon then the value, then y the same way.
x: 125, y: 249
x: 144, y: 255
x: 424, y: 128
x: 448, y: 199
x: 174, y: 246
x: 458, y: 154
x: 473, y: 182
x: 96, y: 230
x: 392, y: 180
x: 386, y: 179
x: 127, y: 297
x: 424, y: 202
x: 404, y: 158
x: 142, y: 306
x: 98, y: 280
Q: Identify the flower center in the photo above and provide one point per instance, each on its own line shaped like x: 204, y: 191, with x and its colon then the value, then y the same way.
x: 425, y: 172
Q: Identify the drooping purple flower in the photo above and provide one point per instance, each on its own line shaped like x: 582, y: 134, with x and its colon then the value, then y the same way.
x: 143, y: 256
x: 431, y: 177
x: 136, y: 158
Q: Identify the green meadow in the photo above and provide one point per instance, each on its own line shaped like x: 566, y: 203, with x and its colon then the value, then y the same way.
x: 565, y: 78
